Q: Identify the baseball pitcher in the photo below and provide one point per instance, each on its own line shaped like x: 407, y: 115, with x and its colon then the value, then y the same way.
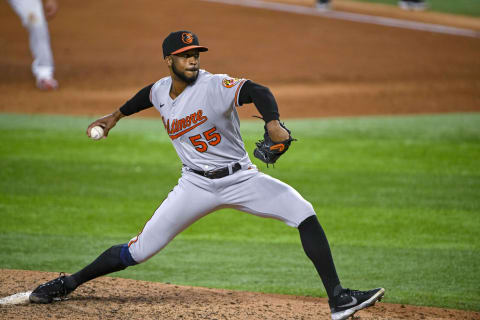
x: 198, y: 110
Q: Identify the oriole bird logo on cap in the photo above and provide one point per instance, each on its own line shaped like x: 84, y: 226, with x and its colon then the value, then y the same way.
x: 187, y: 38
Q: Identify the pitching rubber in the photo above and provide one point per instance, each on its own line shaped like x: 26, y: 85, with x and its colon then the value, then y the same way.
x: 17, y: 298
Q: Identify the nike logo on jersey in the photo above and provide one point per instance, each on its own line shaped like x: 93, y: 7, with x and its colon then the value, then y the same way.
x: 161, y: 105
x: 354, y: 302
x: 179, y: 127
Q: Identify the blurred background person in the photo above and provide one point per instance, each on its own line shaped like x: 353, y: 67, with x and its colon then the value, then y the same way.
x: 323, y: 5
x: 33, y: 14
x: 417, y: 5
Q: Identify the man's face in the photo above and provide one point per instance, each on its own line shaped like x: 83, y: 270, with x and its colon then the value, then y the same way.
x: 185, y: 65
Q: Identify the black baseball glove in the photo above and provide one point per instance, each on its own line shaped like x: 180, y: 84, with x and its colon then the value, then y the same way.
x: 269, y: 151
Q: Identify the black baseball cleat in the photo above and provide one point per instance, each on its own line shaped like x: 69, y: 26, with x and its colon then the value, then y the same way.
x: 349, y: 301
x: 55, y: 289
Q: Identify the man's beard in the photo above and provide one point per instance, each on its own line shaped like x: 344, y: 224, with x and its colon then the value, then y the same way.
x: 187, y: 80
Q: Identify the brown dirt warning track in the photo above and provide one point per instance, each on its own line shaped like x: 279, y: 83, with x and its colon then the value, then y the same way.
x: 105, y: 51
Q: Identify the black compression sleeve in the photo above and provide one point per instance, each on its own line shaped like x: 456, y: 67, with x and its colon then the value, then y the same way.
x: 139, y: 102
x: 262, y: 98
x: 316, y: 247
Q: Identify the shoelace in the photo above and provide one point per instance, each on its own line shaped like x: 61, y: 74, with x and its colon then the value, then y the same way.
x: 352, y: 292
x: 58, y: 284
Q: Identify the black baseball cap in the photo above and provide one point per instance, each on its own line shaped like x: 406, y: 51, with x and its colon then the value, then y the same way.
x: 180, y: 41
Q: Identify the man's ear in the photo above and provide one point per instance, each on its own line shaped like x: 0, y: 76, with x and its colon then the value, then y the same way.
x: 169, y: 60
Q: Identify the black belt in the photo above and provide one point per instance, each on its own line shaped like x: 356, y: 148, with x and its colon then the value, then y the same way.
x: 218, y: 173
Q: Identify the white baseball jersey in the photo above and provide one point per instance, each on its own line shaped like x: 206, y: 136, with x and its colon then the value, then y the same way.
x: 203, y: 124
x: 202, y: 121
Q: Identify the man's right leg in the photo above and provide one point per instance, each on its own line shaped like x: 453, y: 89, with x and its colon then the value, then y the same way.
x: 187, y: 202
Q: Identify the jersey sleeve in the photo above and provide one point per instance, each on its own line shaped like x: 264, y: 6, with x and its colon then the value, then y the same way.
x: 153, y: 96
x: 227, y: 89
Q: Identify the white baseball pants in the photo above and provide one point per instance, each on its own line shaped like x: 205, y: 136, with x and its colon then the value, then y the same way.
x: 196, y: 196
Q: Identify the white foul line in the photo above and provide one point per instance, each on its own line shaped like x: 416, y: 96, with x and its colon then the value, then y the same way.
x: 355, y: 17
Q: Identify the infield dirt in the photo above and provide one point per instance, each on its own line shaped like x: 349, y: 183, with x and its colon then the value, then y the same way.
x: 316, y: 67
x: 115, y: 298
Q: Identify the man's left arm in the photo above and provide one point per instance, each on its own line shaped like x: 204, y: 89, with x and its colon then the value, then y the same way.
x: 265, y: 103
x: 277, y: 138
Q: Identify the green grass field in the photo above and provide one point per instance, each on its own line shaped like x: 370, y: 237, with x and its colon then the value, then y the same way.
x: 464, y: 7
x: 399, y: 198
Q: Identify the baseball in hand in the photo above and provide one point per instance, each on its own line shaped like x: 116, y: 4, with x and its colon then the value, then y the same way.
x: 96, y: 133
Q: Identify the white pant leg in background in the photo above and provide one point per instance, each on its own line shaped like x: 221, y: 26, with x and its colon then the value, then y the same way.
x: 33, y: 19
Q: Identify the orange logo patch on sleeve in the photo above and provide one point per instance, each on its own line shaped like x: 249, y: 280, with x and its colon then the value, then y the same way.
x: 230, y: 82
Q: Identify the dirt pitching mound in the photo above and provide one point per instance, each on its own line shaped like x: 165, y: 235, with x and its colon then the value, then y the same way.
x: 115, y: 298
